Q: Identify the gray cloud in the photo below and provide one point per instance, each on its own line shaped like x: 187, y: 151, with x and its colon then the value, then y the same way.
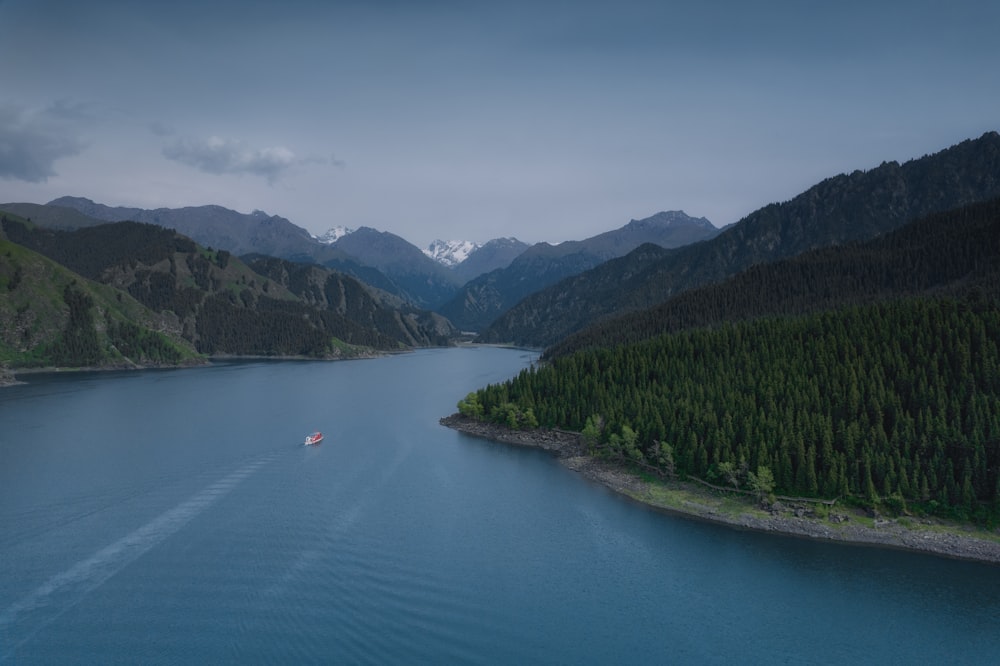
x: 160, y: 128
x: 219, y: 156
x: 31, y: 142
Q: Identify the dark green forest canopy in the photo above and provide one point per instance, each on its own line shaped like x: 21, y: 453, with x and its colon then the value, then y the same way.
x: 895, y: 402
x: 954, y: 252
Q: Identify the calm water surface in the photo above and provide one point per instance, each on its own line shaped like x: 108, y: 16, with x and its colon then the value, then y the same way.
x: 174, y: 517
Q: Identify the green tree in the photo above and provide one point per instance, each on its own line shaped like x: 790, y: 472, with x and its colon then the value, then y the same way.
x: 762, y: 483
x: 592, y: 432
x: 471, y: 407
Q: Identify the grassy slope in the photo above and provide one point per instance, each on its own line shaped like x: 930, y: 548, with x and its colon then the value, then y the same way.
x: 33, y: 313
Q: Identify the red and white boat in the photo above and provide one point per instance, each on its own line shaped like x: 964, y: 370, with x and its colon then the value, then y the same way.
x: 314, y: 438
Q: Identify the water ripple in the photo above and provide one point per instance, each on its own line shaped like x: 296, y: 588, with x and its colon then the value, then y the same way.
x: 64, y: 590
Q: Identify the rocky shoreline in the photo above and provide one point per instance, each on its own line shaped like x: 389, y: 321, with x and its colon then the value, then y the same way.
x: 789, y: 518
x: 7, y: 378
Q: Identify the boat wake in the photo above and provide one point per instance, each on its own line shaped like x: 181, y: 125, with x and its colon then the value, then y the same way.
x: 63, y: 591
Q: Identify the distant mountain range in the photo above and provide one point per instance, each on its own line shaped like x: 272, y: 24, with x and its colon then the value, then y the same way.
x: 840, y: 209
x: 204, y: 300
x: 260, y: 234
x: 211, y: 226
x: 488, y: 296
x: 428, y: 279
x: 538, y: 295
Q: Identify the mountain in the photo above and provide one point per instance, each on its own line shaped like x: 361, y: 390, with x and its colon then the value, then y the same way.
x: 51, y: 316
x: 220, y: 305
x: 420, y: 279
x: 955, y: 253
x: 333, y: 234
x: 381, y: 259
x: 362, y: 304
x: 840, y: 209
x: 256, y: 234
x: 469, y: 260
x: 485, y: 298
x: 211, y: 226
x: 667, y: 229
x: 52, y: 216
x: 490, y: 256
x: 450, y: 253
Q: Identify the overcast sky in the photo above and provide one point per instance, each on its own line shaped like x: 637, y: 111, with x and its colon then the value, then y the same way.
x: 472, y: 120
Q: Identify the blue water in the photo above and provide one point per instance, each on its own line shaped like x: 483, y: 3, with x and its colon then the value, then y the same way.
x: 174, y: 517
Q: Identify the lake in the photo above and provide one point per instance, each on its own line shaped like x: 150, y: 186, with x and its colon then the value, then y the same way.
x: 173, y: 516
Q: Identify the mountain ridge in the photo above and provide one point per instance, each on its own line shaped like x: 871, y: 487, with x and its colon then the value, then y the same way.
x: 53, y: 317
x: 839, y: 209
x: 486, y: 297
x: 220, y: 305
x: 943, y: 254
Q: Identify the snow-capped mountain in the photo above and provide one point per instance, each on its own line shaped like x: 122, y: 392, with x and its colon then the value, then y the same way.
x: 333, y: 235
x: 450, y: 253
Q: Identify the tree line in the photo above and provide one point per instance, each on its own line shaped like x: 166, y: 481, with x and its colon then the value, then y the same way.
x: 894, y: 403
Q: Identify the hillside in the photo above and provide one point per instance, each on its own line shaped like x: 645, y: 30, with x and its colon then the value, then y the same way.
x: 419, y: 279
x: 52, y: 216
x: 890, y: 405
x: 51, y: 316
x: 955, y: 252
x: 838, y: 210
x: 485, y: 298
x: 329, y: 290
x: 490, y: 256
x: 214, y: 300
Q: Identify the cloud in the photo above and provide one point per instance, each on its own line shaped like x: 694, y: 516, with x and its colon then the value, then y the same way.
x: 31, y: 142
x: 219, y: 156
x: 160, y: 128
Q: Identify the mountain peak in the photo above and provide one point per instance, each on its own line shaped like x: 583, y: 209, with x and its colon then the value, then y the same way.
x: 333, y: 234
x: 669, y: 218
x: 70, y: 201
x: 450, y: 253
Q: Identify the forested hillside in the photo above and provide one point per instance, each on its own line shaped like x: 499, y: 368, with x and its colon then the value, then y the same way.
x: 365, y: 305
x: 211, y: 298
x: 841, y: 209
x: 893, y: 404
x: 50, y: 316
x: 951, y: 252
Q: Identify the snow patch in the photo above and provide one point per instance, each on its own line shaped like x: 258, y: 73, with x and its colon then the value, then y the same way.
x: 450, y: 253
x: 334, y: 234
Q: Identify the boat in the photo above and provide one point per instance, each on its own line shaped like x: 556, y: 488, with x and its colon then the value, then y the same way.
x: 314, y: 438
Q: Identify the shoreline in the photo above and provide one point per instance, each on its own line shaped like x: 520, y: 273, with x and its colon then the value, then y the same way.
x: 797, y: 519
x: 9, y: 375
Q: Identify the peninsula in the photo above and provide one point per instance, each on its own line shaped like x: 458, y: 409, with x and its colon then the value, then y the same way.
x: 791, y: 518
